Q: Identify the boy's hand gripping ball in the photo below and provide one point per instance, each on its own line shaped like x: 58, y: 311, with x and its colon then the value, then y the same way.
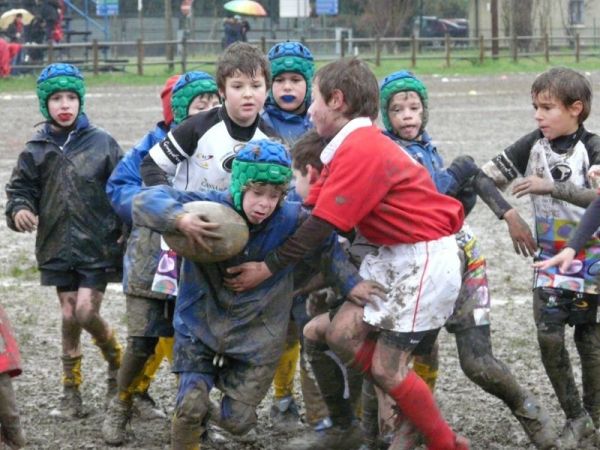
x: 232, y: 228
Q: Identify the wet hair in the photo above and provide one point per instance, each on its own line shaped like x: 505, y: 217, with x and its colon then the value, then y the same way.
x: 566, y: 85
x: 245, y: 58
x: 356, y: 81
x: 307, y: 150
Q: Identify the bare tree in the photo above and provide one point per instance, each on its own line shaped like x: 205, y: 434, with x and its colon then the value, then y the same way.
x: 387, y: 18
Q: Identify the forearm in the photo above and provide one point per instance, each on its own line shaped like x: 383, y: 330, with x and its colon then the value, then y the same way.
x: 307, y: 238
x: 152, y: 174
x: 156, y: 209
x: 568, y: 192
x: 487, y: 190
x: 590, y: 221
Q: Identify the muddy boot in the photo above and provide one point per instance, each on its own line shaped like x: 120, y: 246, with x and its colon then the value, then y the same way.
x: 285, y: 414
x: 146, y: 408
x: 11, y: 432
x: 334, y: 438
x: 112, y: 353
x: 576, y: 431
x: 71, y: 405
x: 537, y: 423
x: 114, y: 427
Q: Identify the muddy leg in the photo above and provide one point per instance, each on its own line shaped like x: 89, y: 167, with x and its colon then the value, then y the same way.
x: 11, y: 432
x: 587, y: 339
x: 191, y: 407
x: 493, y: 376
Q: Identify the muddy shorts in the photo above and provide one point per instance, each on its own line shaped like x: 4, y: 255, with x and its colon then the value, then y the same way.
x: 72, y: 280
x: 554, y: 306
x: 240, y: 380
x: 149, y: 317
x: 423, y: 282
x: 472, y: 307
x: 416, y: 343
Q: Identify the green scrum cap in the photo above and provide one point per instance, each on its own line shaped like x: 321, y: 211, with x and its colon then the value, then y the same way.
x: 401, y: 81
x: 59, y: 77
x: 292, y: 57
x: 260, y: 161
x: 189, y: 86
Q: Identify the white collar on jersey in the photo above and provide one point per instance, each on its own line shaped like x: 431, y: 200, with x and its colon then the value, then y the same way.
x: 329, y: 151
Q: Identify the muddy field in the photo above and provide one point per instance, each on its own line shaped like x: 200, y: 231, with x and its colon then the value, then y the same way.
x: 476, y: 116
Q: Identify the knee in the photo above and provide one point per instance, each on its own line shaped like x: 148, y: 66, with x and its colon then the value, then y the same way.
x: 334, y: 338
x: 550, y: 339
x: 237, y: 417
x: 314, y: 332
x: 192, y: 403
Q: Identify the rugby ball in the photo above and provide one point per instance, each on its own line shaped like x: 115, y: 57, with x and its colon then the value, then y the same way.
x: 232, y: 227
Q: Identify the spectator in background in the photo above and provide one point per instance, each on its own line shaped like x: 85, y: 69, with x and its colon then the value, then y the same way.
x: 15, y: 29
x: 244, y: 28
x: 232, y: 27
x: 50, y: 11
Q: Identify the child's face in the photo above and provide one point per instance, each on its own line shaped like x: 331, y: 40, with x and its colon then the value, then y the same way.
x: 244, y: 97
x: 259, y: 202
x: 405, y: 112
x: 302, y: 183
x: 63, y: 107
x: 202, y: 103
x: 554, y: 119
x: 289, y: 89
x: 326, y: 119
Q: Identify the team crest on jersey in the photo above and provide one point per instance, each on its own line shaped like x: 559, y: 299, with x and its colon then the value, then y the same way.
x: 227, y: 161
x: 561, y: 172
x: 203, y: 160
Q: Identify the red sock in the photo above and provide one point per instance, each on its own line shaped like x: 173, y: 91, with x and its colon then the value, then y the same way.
x: 416, y: 401
x: 363, y: 360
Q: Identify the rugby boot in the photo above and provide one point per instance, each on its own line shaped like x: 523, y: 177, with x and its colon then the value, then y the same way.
x: 117, y: 416
x: 285, y: 414
x: 537, y: 423
x: 334, y: 438
x: 71, y: 405
x: 576, y: 431
x: 146, y: 408
x: 11, y: 432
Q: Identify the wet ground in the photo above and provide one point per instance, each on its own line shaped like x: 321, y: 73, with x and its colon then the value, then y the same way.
x: 476, y: 116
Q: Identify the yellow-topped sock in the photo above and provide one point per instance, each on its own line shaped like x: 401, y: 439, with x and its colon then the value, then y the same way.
x: 283, y: 381
x: 428, y: 373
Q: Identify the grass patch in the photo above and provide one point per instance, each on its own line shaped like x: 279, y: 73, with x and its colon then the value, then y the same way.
x: 463, y: 63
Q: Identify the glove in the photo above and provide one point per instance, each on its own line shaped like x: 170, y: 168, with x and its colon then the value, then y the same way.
x: 463, y: 168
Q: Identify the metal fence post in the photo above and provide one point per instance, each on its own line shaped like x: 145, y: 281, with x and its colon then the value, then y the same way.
x: 342, y: 45
x: 377, y: 51
x: 515, y: 48
x: 413, y: 51
x: 50, y: 51
x: 447, y: 40
x: 577, y: 47
x: 546, y: 48
x: 263, y: 44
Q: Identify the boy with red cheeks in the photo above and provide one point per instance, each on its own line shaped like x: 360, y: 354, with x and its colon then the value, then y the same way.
x: 368, y: 184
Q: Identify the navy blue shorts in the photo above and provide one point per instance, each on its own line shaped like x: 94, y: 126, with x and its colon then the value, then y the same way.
x: 72, y: 280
